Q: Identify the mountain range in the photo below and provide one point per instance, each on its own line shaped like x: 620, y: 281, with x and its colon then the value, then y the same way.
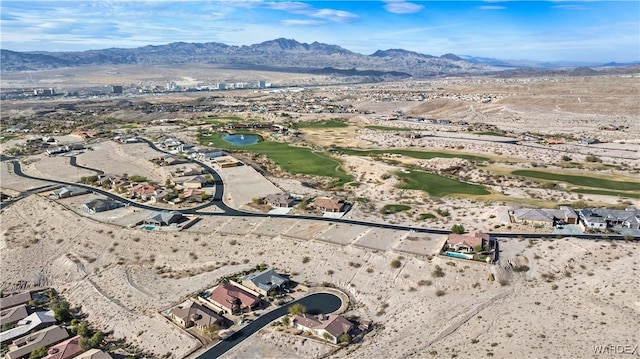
x: 275, y: 54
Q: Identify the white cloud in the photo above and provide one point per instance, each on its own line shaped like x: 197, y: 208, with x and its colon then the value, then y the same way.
x: 569, y: 7
x: 335, y: 15
x: 293, y: 22
x: 402, y: 7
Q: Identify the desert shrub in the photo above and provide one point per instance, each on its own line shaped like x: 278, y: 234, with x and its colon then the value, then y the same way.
x: 396, y: 263
x: 437, y: 272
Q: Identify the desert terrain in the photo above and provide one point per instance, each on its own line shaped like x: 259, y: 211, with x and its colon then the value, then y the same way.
x: 576, y: 293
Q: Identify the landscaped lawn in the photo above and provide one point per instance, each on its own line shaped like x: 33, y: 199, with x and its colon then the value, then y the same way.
x: 394, y: 208
x: 437, y: 185
x: 580, y: 180
x: 333, y: 123
x: 606, y: 193
x: 298, y: 160
x: 423, y: 155
x: 6, y: 138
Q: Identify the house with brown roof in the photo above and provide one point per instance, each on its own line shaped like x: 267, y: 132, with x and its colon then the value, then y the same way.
x: 191, y: 195
x: 66, y: 349
x: 191, y: 314
x: 465, y: 243
x: 143, y: 191
x: 94, y: 354
x: 328, y: 204
x: 13, y: 315
x: 328, y: 327
x: 15, y: 299
x: 22, y: 348
x: 279, y: 200
x: 195, y: 182
x: 233, y: 299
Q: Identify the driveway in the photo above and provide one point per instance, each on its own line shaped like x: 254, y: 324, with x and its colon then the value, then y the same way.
x: 315, y: 303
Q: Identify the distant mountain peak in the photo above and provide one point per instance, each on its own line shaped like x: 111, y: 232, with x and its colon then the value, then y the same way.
x: 452, y: 57
x: 399, y: 53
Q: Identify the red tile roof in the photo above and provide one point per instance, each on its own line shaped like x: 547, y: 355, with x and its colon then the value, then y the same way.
x: 67, y: 349
x: 471, y: 239
x: 228, y: 295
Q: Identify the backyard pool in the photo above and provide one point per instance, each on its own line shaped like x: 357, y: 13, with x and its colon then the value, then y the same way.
x: 240, y: 139
x: 149, y: 228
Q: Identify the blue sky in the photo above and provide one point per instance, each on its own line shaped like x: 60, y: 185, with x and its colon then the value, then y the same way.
x: 598, y: 31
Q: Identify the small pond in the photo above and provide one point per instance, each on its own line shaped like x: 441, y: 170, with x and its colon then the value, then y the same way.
x: 240, y: 139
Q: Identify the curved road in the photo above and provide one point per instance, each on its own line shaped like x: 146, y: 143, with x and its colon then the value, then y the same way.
x: 315, y: 303
x: 73, y: 161
x: 217, y: 200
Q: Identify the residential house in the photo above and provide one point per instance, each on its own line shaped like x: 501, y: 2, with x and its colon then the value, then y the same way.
x: 22, y: 348
x: 279, y: 200
x: 195, y: 182
x: 160, y: 195
x: 192, y: 172
x: 191, y: 314
x: 191, y: 195
x: 94, y: 354
x: 545, y: 217
x: 537, y: 217
x: 465, y: 243
x: 554, y: 140
x: 101, y: 205
x: 570, y: 215
x: 15, y: 299
x: 264, y: 282
x: 30, y: 323
x: 144, y: 191
x: 185, y: 147
x: 173, y: 160
x: 171, y: 143
x: 66, y: 349
x: 587, y: 141
x: 329, y: 327
x: 601, y: 218
x: 233, y: 299
x: 207, y: 155
x: 328, y: 204
x: 165, y: 218
x: 14, y: 314
x: 115, y: 182
x: 69, y: 191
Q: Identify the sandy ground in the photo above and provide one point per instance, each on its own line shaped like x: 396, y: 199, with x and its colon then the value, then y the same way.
x: 16, y: 184
x: 118, y: 273
x: 243, y: 184
x: 132, y: 159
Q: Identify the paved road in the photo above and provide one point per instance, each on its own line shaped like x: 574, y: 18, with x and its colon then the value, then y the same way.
x: 315, y: 303
x: 217, y: 200
x: 74, y: 162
